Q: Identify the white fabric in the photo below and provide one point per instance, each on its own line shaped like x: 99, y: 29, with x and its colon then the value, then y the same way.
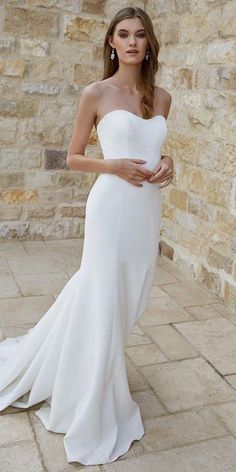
x: 73, y: 358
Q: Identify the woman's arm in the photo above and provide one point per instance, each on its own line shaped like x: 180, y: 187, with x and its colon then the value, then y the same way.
x: 85, y: 118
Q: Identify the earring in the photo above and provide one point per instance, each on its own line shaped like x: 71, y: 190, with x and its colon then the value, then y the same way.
x: 147, y: 55
x: 112, y: 54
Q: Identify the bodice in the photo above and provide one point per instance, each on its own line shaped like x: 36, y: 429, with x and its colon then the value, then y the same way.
x: 122, y: 134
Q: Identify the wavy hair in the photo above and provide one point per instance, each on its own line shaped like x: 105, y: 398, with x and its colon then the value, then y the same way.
x: 149, y: 68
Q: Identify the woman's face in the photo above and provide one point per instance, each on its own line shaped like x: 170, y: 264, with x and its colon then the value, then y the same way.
x: 130, y: 34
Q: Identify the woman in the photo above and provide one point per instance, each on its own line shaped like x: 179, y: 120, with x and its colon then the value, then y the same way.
x: 73, y: 358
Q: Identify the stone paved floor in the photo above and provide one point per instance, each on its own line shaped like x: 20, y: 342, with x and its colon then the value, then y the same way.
x: 181, y: 363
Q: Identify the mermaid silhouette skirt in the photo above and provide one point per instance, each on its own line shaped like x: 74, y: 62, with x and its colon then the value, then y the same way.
x: 73, y: 359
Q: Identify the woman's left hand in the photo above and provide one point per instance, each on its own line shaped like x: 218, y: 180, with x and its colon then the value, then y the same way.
x: 163, y: 172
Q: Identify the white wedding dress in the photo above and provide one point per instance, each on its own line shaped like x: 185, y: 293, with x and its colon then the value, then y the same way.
x: 73, y: 358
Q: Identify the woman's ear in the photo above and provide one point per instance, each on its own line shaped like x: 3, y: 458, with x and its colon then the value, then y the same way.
x: 110, y: 41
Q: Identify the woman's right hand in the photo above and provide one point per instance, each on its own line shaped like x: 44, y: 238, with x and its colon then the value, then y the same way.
x: 131, y: 170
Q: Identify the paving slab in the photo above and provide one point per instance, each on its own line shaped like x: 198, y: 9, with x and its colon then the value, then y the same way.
x: 227, y: 414
x: 15, y: 428
x: 137, y: 381
x: 149, y: 404
x: 8, y: 286
x: 163, y: 310
x: 146, y: 354
x: 24, y: 311
x: 215, y: 339
x: 33, y: 264
x: 51, y: 447
x: 162, y: 276
x: 188, y: 293
x: 214, y: 455
x: 188, y: 383
x: 41, y: 284
x: 203, y: 312
x: 180, y: 429
x: 170, y: 342
x: 21, y: 456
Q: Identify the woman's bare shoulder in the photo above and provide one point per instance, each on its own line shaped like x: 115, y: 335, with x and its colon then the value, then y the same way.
x: 162, y: 100
x: 94, y: 89
x: 162, y: 94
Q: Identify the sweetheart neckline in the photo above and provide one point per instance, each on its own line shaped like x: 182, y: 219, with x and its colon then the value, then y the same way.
x: 131, y: 113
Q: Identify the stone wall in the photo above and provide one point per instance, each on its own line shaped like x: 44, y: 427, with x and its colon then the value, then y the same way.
x: 51, y: 49
x: 199, y: 69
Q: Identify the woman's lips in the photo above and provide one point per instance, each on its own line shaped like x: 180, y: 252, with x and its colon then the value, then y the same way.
x: 133, y: 52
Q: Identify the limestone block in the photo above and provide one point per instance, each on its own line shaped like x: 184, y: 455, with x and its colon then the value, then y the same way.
x: 69, y: 5
x: 195, y: 180
x: 211, y: 279
x: 72, y: 210
x: 225, y: 221
x: 40, y: 211
x: 227, y: 26
x: 14, y: 230
x: 7, y: 45
x: 55, y: 195
x: 230, y: 294
x: 168, y: 212
x: 13, y: 158
x: 26, y: 21
x: 83, y: 29
x: 181, y: 6
x: 19, y: 196
x: 34, y: 47
x: 229, y: 166
x: 184, y: 148
x: 167, y: 250
x: 179, y: 198
x: 45, y: 69
x: 86, y: 74
x: 218, y: 191
x: 11, y: 179
x: 199, y: 207
x: 47, y: 229
x: 13, y: 67
x: 36, y: 179
x: 200, y: 117
x: 168, y: 33
x: 95, y: 7
x: 83, y: 179
x: 211, y: 155
x: 184, y: 78
x: 77, y: 230
x: 10, y: 213
x: 221, y: 52
x: 18, y: 107
x: 51, y: 134
x: 8, y: 130
x: 203, y: 27
x: 220, y: 260
x: 40, y: 89
x: 160, y: 7
x: 7, y: 87
x: 55, y: 159
x: 48, y: 113
x: 187, y: 221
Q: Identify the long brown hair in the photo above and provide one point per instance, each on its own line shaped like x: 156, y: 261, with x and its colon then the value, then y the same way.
x: 149, y: 68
